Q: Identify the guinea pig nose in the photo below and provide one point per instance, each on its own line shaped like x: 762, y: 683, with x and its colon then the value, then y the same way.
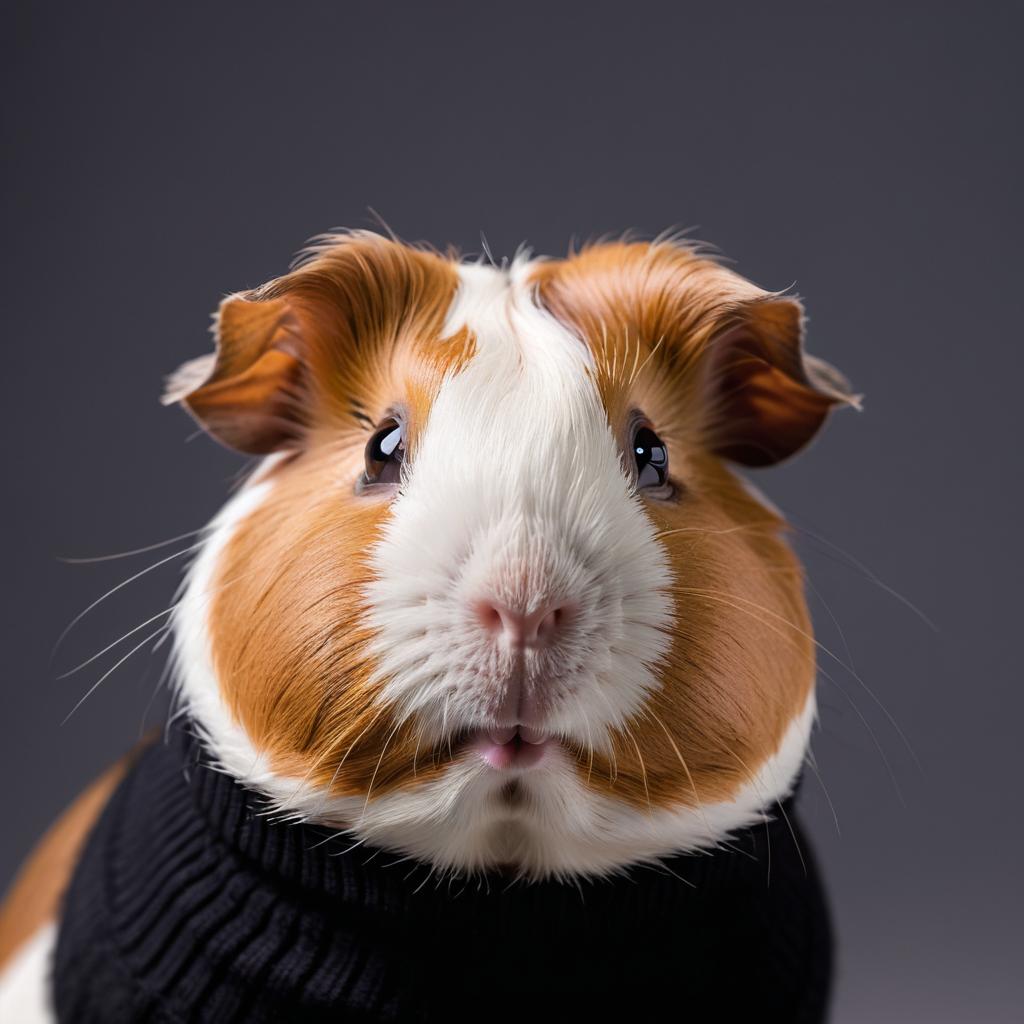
x: 521, y: 629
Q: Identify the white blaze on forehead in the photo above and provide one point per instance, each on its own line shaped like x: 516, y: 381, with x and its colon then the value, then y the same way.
x: 516, y: 489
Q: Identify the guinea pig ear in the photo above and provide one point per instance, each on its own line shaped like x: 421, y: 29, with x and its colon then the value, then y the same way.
x: 245, y: 394
x: 768, y: 396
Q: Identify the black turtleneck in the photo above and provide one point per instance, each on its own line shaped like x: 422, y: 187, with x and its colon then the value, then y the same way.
x: 190, y: 904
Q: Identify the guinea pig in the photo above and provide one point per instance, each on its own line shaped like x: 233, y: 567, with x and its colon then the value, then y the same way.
x: 495, y: 608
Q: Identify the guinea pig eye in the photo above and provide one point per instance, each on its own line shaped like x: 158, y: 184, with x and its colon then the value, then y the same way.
x: 651, y: 457
x: 384, y: 454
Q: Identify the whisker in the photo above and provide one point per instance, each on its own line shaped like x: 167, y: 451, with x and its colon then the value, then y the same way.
x: 590, y: 737
x: 725, y: 597
x: 817, y: 643
x: 712, y: 596
x: 425, y: 880
x: 706, y: 531
x: 854, y: 563
x: 643, y: 769
x: 613, y: 777
x: 661, y: 866
x: 752, y: 778
x: 95, y: 686
x: 697, y: 801
x: 839, y: 629
x: 337, y: 771
x: 785, y: 817
x: 813, y: 762
x: 109, y: 647
x: 128, y: 554
x: 380, y: 760
x: 113, y: 590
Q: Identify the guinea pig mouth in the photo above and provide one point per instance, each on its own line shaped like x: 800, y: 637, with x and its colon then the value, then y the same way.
x: 517, y: 746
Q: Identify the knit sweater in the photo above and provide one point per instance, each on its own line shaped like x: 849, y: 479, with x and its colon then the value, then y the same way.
x: 189, y: 903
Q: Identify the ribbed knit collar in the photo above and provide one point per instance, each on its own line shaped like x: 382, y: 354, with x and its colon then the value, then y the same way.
x: 197, y: 905
x: 329, y: 865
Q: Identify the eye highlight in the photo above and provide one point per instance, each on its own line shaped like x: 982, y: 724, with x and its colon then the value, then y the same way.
x: 651, y: 459
x: 385, y: 452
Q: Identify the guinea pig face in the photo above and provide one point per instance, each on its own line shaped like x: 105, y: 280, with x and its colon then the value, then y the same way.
x: 494, y: 597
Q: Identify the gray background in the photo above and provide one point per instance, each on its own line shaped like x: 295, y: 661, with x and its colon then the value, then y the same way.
x: 871, y: 158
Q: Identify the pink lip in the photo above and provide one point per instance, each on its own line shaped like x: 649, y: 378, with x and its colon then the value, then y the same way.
x: 513, y: 747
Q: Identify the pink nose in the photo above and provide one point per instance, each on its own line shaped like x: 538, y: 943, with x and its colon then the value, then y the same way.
x: 538, y: 629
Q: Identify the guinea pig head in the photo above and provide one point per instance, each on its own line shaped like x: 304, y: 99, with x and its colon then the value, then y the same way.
x: 494, y: 596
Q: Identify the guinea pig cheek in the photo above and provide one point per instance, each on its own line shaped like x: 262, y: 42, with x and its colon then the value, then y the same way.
x: 288, y: 639
x: 737, y: 693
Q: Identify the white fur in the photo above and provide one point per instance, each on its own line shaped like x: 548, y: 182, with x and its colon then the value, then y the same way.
x: 197, y: 688
x: 516, y: 490
x: 25, y: 996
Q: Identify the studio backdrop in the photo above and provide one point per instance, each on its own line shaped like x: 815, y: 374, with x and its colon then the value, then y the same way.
x: 864, y: 157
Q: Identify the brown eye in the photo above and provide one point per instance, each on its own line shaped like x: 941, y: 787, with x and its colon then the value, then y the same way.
x: 384, y: 454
